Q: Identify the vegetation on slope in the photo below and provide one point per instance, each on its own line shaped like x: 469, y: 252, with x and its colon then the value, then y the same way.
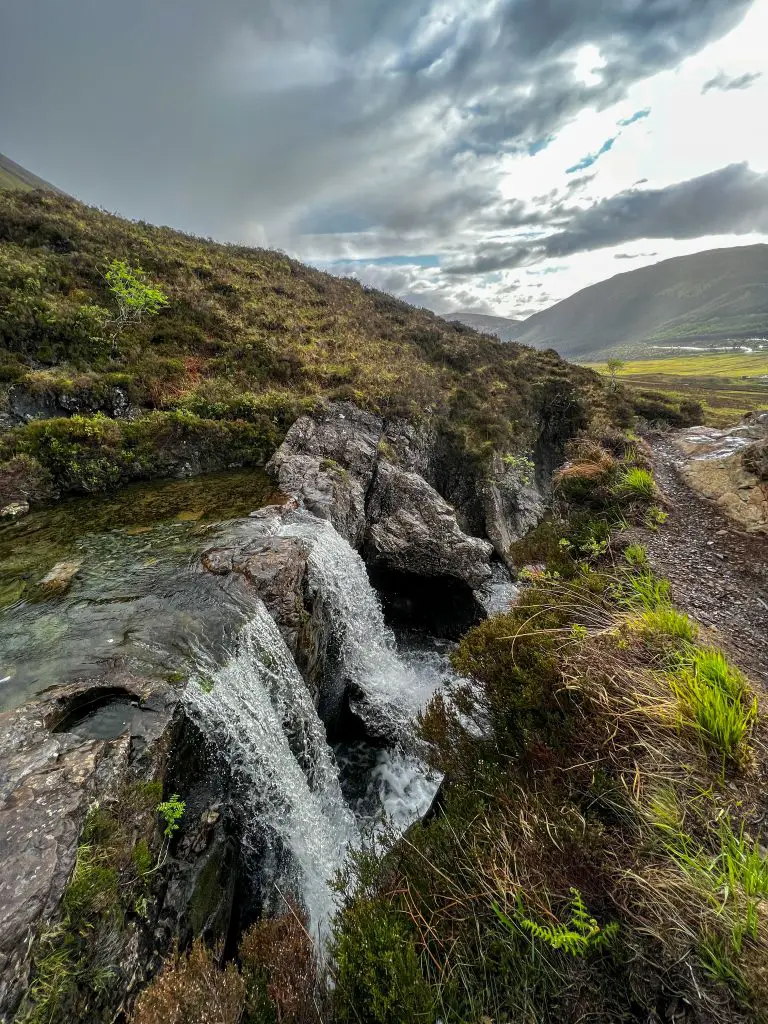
x: 14, y: 176
x: 706, y: 298
x: 247, y: 341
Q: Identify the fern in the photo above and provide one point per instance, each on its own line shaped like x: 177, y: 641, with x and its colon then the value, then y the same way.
x: 578, y: 937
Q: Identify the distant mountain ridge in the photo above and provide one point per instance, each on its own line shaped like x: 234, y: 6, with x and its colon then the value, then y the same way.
x: 14, y: 176
x: 711, y: 297
x: 501, y: 326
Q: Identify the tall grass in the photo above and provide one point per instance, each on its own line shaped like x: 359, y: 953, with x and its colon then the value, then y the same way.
x: 715, y: 698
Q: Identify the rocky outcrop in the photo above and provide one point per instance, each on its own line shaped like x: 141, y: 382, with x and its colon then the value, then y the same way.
x: 56, y: 766
x: 410, y: 528
x: 25, y: 404
x: 730, y: 468
x: 327, y: 461
x: 404, y: 495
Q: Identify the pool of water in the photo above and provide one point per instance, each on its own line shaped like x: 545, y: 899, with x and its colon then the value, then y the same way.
x: 137, y: 596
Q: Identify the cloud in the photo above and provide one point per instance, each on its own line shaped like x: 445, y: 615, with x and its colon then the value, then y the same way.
x: 726, y: 83
x: 250, y: 116
x: 732, y: 200
x: 634, y: 255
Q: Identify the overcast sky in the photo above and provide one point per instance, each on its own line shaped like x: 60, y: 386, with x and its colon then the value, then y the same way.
x: 494, y: 155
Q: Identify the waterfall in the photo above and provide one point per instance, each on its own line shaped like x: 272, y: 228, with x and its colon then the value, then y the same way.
x: 259, y: 713
x: 369, y: 660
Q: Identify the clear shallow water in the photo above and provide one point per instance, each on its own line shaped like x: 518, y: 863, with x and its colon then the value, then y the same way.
x: 138, y: 593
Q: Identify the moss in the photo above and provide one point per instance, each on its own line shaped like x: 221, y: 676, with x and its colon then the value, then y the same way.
x: 90, y: 454
x: 75, y: 973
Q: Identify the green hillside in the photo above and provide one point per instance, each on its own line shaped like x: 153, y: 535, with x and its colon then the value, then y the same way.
x: 249, y: 338
x: 13, y: 176
x: 705, y: 299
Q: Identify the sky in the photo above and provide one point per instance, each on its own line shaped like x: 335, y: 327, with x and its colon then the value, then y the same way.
x: 484, y: 155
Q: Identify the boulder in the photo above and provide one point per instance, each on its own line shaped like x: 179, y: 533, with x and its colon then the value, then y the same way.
x: 327, y: 462
x: 55, y: 767
x: 412, y: 529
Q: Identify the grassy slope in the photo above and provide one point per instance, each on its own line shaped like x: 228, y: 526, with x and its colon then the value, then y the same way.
x: 248, y: 340
x: 704, y: 298
x: 13, y: 176
x: 727, y: 384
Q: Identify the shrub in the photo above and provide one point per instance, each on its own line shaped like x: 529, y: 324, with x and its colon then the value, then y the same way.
x: 377, y: 974
x: 715, y: 698
x: 636, y: 482
x: 190, y: 989
x: 278, y: 964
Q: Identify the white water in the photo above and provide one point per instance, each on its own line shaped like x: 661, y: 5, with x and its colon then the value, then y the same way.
x: 261, y: 716
x: 369, y: 657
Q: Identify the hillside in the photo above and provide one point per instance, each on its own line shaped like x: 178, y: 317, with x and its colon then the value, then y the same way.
x: 13, y: 176
x: 500, y: 326
x: 247, y: 341
x: 704, y: 299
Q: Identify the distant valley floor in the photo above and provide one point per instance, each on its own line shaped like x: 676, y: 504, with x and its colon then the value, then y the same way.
x: 728, y: 384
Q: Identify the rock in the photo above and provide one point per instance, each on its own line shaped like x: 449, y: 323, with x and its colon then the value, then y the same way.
x: 327, y: 461
x: 15, y: 510
x: 511, y: 501
x: 51, y: 773
x: 412, y: 529
x: 60, y: 578
x: 26, y: 405
x: 730, y: 467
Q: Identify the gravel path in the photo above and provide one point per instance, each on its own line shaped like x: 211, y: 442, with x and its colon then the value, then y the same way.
x: 718, y: 573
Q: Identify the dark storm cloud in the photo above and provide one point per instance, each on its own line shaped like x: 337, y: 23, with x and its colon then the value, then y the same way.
x: 724, y: 83
x: 248, y: 115
x: 732, y: 200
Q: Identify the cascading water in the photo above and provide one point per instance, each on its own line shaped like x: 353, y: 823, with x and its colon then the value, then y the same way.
x: 260, y: 714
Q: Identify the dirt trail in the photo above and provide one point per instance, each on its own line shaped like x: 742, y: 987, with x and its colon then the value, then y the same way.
x: 718, y: 573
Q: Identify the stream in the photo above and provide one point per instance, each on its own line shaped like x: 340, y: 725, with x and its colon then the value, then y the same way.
x: 138, y: 597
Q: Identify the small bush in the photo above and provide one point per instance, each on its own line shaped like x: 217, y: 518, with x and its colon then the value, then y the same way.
x: 636, y: 555
x: 192, y: 989
x: 636, y: 482
x: 665, y: 622
x: 378, y: 977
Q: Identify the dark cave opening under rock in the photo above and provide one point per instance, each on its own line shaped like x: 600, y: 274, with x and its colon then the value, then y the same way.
x: 442, y: 605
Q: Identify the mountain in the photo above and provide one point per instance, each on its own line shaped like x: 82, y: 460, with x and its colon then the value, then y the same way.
x: 501, y: 326
x: 12, y: 175
x: 709, y: 298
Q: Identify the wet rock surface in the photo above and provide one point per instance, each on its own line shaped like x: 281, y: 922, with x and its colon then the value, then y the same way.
x: 404, y: 495
x: 412, y: 529
x: 51, y: 774
x: 718, y: 572
x: 327, y: 461
x: 730, y: 468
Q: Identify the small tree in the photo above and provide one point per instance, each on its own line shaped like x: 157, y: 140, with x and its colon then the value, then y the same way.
x: 134, y: 296
x: 614, y: 366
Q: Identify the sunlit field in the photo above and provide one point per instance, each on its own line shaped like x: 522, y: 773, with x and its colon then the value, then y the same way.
x: 728, y: 384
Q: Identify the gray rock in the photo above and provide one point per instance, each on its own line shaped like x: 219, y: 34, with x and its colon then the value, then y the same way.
x: 512, y: 504
x: 327, y: 462
x: 52, y: 771
x: 412, y: 529
x: 15, y: 510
